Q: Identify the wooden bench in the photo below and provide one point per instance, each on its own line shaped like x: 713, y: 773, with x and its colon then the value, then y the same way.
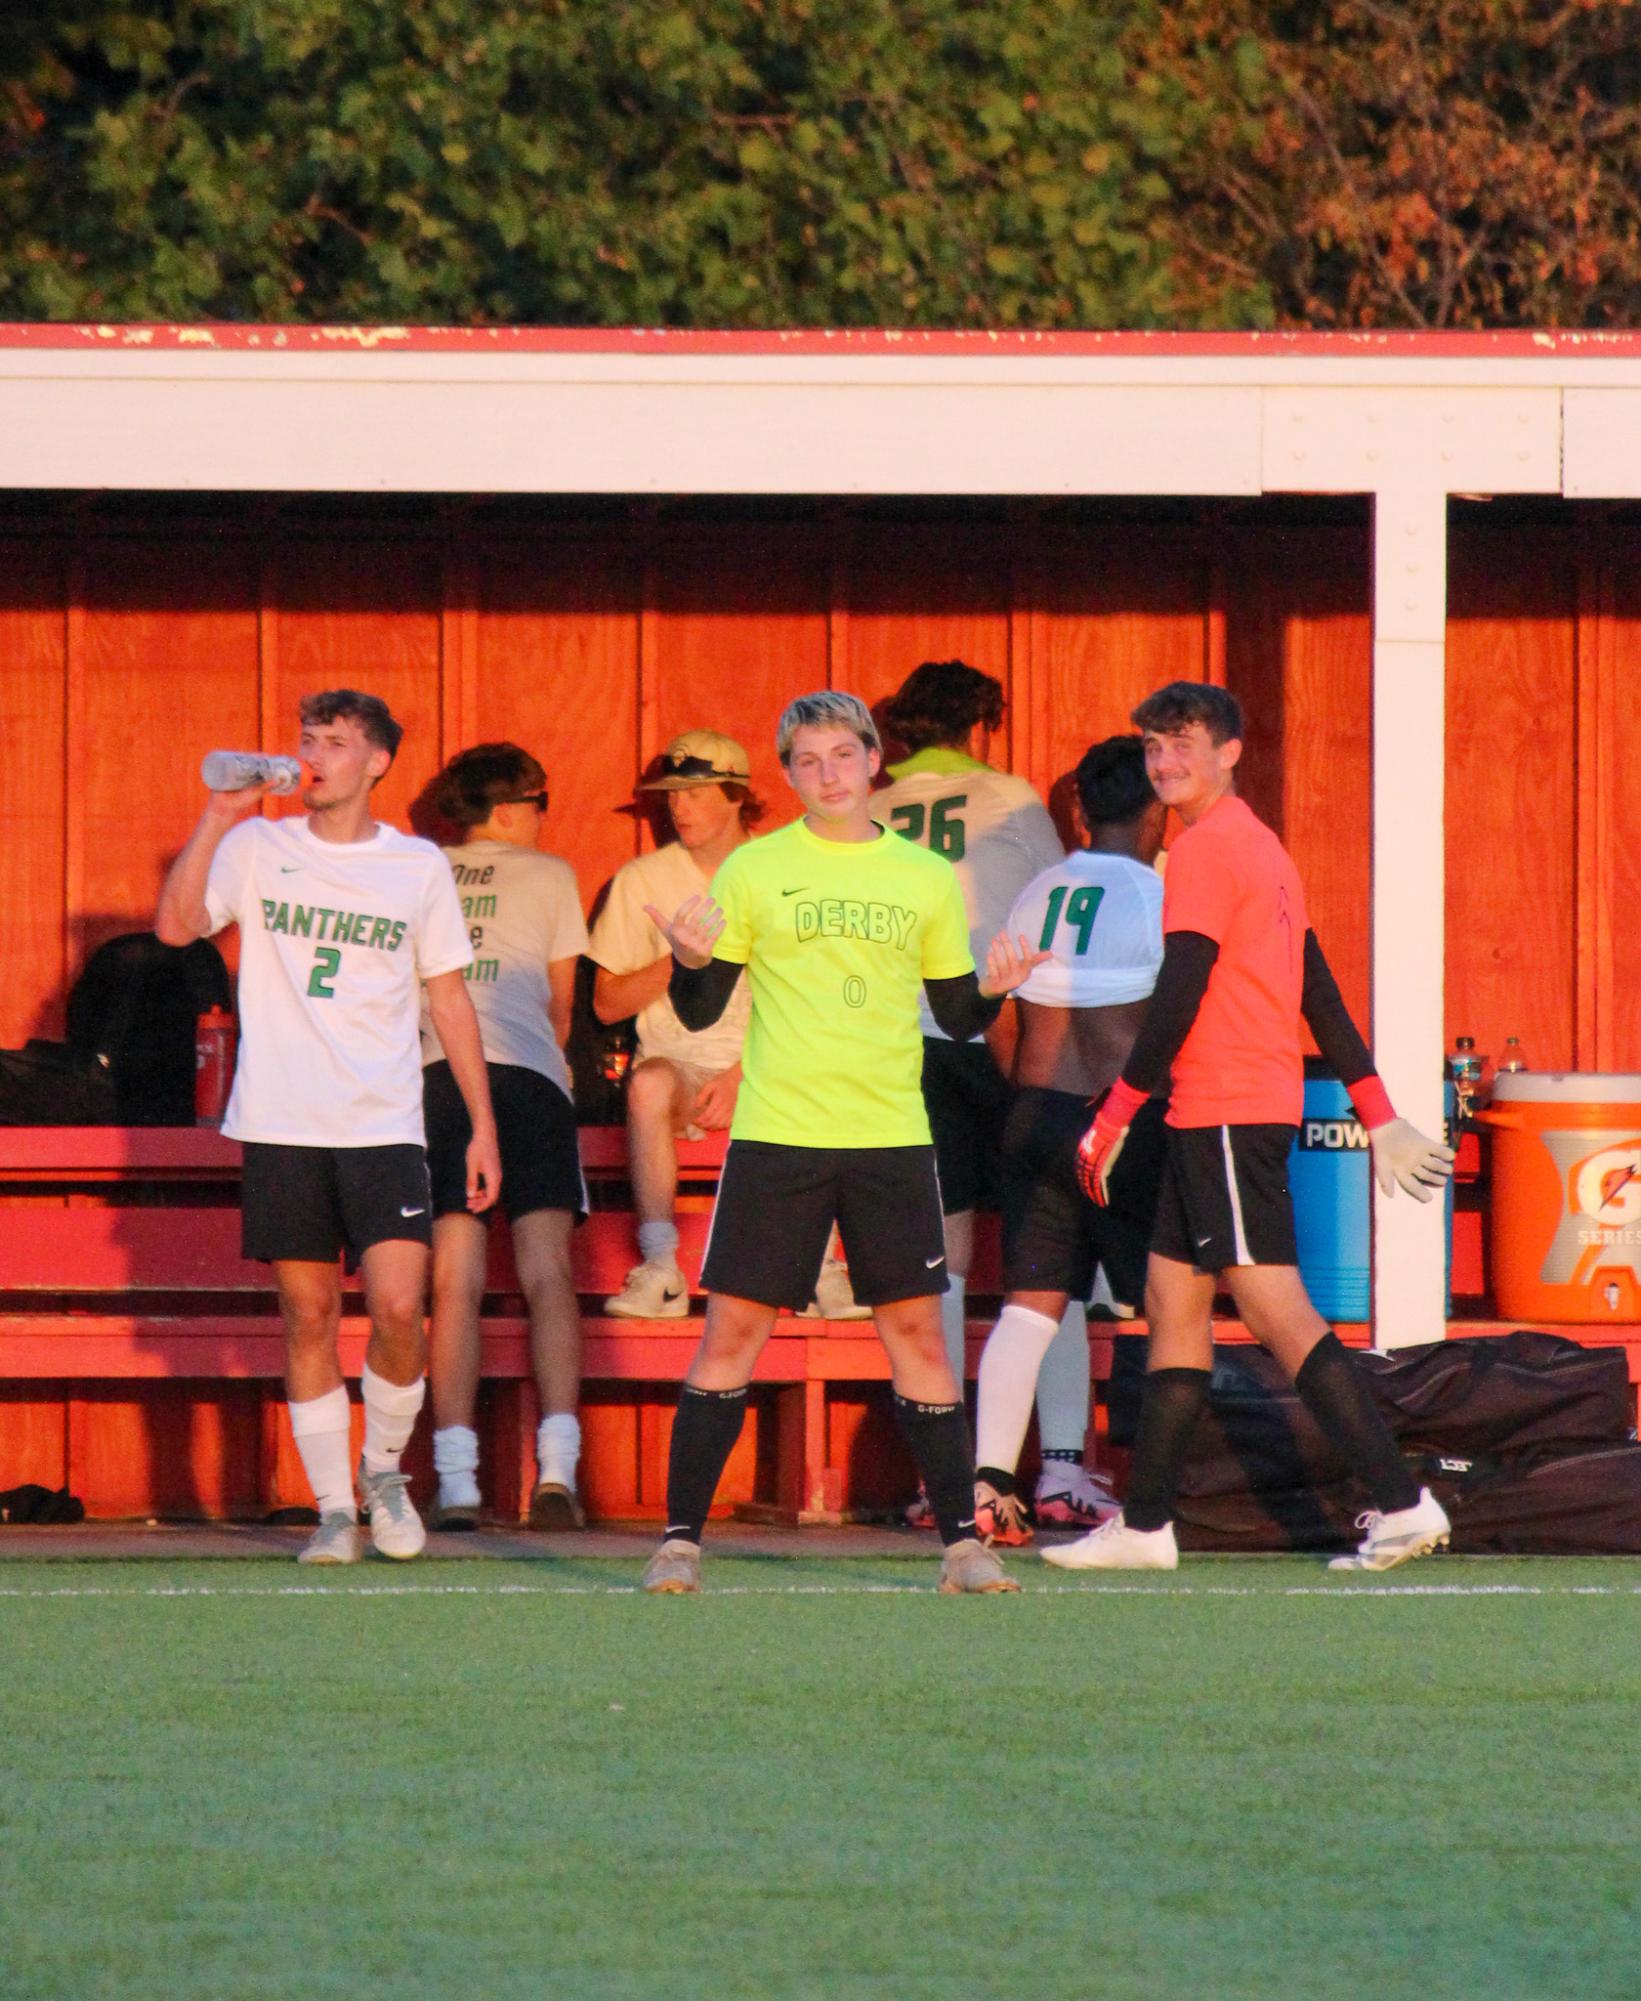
x: 140, y: 1355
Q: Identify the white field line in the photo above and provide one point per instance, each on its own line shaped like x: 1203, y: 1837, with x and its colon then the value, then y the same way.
x: 1339, y: 1592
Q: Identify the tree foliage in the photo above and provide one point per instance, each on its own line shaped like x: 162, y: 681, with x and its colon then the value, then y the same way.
x: 764, y: 163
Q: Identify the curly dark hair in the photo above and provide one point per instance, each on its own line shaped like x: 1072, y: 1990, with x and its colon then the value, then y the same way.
x: 347, y: 705
x: 940, y: 701
x: 1183, y: 703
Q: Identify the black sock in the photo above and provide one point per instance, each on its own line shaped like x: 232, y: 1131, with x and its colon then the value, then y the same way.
x: 995, y: 1477
x: 1169, y: 1410
x: 1332, y: 1389
x: 938, y: 1434
x: 703, y: 1436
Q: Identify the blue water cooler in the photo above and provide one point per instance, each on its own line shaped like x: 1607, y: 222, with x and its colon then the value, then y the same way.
x: 1331, y: 1174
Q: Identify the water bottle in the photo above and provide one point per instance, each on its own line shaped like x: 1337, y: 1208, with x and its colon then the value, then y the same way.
x: 1468, y: 1069
x: 1514, y: 1058
x: 215, y: 1038
x: 233, y: 770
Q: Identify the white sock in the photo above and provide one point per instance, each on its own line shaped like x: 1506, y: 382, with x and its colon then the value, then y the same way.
x: 320, y: 1427
x: 558, y: 1448
x: 456, y: 1461
x: 953, y: 1315
x: 658, y: 1243
x: 1008, y: 1381
x: 390, y: 1418
x: 1062, y: 1385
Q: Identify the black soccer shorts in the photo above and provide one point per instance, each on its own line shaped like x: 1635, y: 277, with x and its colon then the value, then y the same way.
x: 776, y: 1207
x: 1225, y: 1199
x: 967, y: 1099
x: 1053, y: 1235
x: 536, y: 1132
x: 311, y: 1202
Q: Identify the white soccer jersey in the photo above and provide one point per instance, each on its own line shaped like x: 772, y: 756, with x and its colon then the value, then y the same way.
x: 624, y: 939
x: 523, y: 910
x: 335, y: 939
x: 990, y: 825
x: 1101, y: 918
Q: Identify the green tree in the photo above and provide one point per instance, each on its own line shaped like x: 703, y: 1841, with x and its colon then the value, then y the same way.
x: 760, y: 163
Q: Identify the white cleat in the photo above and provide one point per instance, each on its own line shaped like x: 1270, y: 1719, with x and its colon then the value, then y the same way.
x: 1399, y: 1537
x: 1115, y: 1546
x: 834, y: 1296
x: 968, y: 1566
x: 395, y: 1527
x: 674, y: 1568
x: 336, y: 1540
x: 1084, y: 1501
x: 653, y: 1291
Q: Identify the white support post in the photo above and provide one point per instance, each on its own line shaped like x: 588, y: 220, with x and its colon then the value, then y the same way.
x: 1409, y: 887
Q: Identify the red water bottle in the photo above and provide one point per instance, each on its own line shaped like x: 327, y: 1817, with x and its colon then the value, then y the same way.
x: 215, y: 1038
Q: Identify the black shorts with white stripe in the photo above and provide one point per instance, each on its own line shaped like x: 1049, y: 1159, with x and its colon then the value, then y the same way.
x: 1225, y: 1199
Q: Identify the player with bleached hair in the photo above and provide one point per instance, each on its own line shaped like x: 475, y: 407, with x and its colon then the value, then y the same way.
x: 1241, y: 970
x: 838, y: 924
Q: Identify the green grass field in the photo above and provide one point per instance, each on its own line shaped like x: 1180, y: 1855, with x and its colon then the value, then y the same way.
x: 236, y: 1781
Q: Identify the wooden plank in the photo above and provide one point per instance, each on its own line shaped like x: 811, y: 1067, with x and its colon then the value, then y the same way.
x: 1615, y: 787
x: 33, y: 641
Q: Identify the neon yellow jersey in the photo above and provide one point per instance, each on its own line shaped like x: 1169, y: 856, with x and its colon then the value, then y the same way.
x: 837, y: 938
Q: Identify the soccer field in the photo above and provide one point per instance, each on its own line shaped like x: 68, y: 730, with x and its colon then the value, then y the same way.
x: 235, y: 1780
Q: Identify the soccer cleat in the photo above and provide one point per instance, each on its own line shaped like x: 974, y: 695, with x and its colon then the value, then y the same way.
x: 553, y: 1506
x: 1000, y: 1518
x: 1084, y: 1501
x: 336, y: 1540
x: 1115, y: 1546
x: 653, y: 1291
x: 834, y: 1296
x: 675, y: 1567
x: 920, y: 1515
x: 395, y: 1527
x: 1399, y: 1537
x: 969, y: 1566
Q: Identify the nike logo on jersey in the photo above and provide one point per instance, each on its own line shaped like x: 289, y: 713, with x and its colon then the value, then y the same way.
x: 795, y: 892
x: 290, y: 868
x: 412, y: 1212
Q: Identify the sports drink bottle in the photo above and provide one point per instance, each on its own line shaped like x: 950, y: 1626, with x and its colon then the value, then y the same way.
x: 1514, y: 1058
x: 216, y: 1037
x: 233, y: 770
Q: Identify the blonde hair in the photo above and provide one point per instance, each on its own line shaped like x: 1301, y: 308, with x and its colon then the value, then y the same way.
x: 827, y: 707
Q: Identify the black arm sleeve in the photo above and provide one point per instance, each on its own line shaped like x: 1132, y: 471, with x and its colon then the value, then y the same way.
x: 1187, y: 959
x: 959, y: 1007
x: 1327, y: 1018
x: 699, y: 994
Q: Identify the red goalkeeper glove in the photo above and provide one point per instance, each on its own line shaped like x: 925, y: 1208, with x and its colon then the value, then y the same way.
x: 1099, y: 1147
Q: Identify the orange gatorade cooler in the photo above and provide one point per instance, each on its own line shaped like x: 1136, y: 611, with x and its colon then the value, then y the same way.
x: 1566, y: 1197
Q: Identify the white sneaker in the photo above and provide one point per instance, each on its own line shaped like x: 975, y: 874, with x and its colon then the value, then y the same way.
x: 653, y: 1291
x: 336, y: 1540
x: 834, y: 1296
x: 675, y: 1567
x: 1115, y: 1546
x: 395, y: 1527
x: 1083, y: 1500
x: 1399, y: 1537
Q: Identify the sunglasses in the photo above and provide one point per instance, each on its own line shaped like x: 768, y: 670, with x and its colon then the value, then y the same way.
x: 536, y: 799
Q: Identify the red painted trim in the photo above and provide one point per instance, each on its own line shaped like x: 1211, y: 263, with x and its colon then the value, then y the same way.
x: 1514, y: 344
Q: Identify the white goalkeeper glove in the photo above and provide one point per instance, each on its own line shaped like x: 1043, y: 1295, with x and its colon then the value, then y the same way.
x: 1401, y: 1153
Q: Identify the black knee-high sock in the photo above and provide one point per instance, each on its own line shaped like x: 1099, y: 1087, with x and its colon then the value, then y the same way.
x: 703, y: 1436
x: 938, y: 1434
x: 1333, y: 1390
x: 1169, y: 1410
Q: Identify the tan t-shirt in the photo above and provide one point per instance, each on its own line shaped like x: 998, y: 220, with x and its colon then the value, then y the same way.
x: 624, y: 940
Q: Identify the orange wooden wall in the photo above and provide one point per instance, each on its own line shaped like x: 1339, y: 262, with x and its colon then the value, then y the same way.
x: 135, y: 636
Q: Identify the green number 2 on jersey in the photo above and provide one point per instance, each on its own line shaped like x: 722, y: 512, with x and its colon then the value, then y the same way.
x: 327, y: 963
x: 1078, y: 910
x: 945, y: 825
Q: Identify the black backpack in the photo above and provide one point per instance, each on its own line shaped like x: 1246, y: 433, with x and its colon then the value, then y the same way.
x: 134, y: 1012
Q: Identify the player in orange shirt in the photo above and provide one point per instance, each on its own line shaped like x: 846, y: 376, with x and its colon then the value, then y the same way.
x: 1241, y: 968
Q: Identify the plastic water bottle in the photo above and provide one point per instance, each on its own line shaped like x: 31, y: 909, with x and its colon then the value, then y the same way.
x: 1514, y: 1057
x: 216, y: 1037
x: 1468, y: 1069
x: 233, y: 770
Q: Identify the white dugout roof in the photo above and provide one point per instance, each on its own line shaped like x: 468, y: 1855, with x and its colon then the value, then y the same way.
x: 1409, y: 419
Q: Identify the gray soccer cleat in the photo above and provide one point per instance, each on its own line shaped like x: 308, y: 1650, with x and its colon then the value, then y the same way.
x: 675, y: 1567
x: 969, y: 1566
x: 336, y: 1540
x: 395, y: 1527
x: 1399, y: 1537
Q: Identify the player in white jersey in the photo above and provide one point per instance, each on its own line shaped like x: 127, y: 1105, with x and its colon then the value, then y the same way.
x: 997, y: 834
x: 341, y: 920
x: 1098, y: 913
x: 523, y: 912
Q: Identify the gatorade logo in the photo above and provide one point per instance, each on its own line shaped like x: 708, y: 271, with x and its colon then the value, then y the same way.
x: 1601, y: 1226
x: 1332, y: 1136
